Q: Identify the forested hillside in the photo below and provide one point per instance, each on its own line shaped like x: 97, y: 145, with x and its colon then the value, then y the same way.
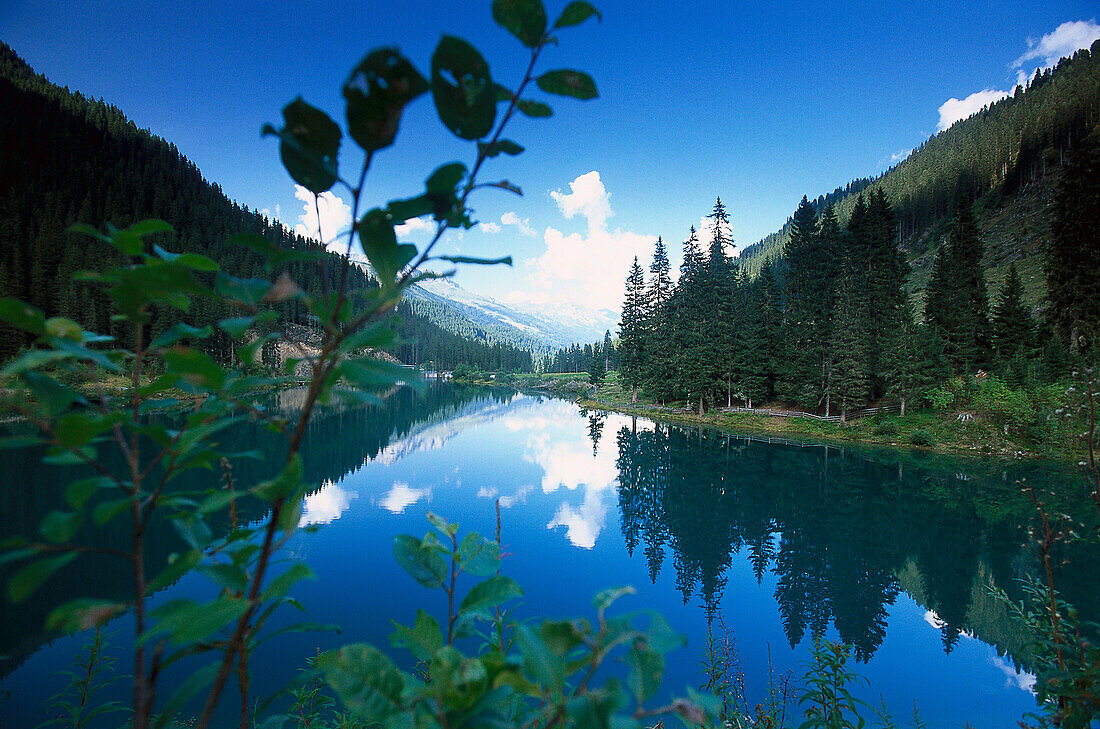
x: 1007, y: 159
x: 65, y: 158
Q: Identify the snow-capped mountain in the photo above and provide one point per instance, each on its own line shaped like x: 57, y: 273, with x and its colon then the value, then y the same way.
x: 537, y: 331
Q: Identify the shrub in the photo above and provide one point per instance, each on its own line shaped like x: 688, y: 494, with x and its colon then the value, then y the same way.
x: 922, y: 438
x: 886, y: 427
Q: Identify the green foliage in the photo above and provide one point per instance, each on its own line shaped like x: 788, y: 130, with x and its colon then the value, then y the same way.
x: 550, y: 681
x: 76, y: 706
x: 829, y: 682
x: 172, y: 368
x: 1068, y: 675
x: 922, y: 438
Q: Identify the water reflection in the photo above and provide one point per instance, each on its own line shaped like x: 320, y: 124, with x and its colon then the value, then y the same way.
x: 843, y: 531
x: 325, y: 505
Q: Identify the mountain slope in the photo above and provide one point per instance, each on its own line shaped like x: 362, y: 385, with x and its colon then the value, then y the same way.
x: 65, y: 159
x: 1007, y: 157
x: 454, y: 308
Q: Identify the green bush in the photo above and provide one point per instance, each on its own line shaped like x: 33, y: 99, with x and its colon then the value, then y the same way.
x: 922, y: 438
x: 886, y: 427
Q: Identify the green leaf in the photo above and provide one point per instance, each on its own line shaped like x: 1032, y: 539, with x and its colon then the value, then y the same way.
x: 195, y: 367
x: 237, y: 326
x: 178, y: 566
x: 506, y: 260
x: 247, y: 291
x: 376, y: 93
x: 566, y: 82
x: 365, y: 680
x: 226, y: 575
x: 188, y: 622
x: 386, y: 257
x: 423, y: 563
x: 77, y: 428
x: 534, y: 109
x: 646, y: 667
x: 281, y: 585
x: 422, y: 640
x: 282, y: 485
x: 309, y: 144
x: 53, y: 395
x: 446, y: 178
x: 33, y: 359
x: 31, y: 577
x: 190, y: 260
x: 22, y: 315
x: 60, y: 526
x: 507, y: 146
x: 560, y: 636
x: 82, y: 614
x: 108, y: 510
x: 525, y: 19
x: 490, y: 593
x: 442, y: 524
x: 604, y: 598
x: 576, y: 13
x: 78, y: 492
x: 194, y: 683
x: 462, y: 88
x: 545, y: 667
x: 477, y: 555
x: 414, y: 207
x: 179, y: 332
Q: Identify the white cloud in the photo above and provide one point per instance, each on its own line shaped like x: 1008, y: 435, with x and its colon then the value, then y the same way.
x: 586, y: 270
x: 414, y: 227
x: 335, y: 218
x: 524, y: 225
x: 493, y: 228
x: 401, y: 496
x: 325, y: 505
x: 1065, y: 40
x: 588, y: 198
x: 898, y: 156
x: 954, y: 109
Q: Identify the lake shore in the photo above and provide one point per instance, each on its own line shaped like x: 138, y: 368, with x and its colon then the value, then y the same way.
x: 921, y: 428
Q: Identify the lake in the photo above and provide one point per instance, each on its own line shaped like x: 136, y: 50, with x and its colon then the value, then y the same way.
x: 891, y: 551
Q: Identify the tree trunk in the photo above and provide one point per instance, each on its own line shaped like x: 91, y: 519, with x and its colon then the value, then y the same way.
x: 903, y: 407
x: 633, y: 394
x: 700, y: 406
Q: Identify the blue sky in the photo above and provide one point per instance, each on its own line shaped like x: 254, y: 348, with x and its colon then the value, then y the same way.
x: 758, y: 103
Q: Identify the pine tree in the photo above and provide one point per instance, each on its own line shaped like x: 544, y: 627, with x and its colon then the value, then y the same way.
x: 632, y: 352
x: 1012, y: 329
x: 1073, y: 259
x: 848, y: 383
x: 596, y: 370
x: 957, y: 304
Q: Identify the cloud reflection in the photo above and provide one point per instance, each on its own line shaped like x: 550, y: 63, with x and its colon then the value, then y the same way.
x: 401, y: 496
x: 325, y: 505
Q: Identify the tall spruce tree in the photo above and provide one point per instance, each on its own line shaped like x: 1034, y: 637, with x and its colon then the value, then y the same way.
x: 1012, y: 330
x: 801, y: 322
x: 957, y: 304
x: 632, y: 331
x: 717, y: 280
x: 1073, y: 258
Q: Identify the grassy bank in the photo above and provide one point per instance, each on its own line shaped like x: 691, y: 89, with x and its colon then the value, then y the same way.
x: 1038, y: 432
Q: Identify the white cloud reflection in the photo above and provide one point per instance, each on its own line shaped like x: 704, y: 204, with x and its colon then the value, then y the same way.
x: 401, y: 496
x: 325, y: 505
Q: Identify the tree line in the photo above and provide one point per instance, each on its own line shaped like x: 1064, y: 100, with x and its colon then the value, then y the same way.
x: 829, y: 326
x: 65, y: 159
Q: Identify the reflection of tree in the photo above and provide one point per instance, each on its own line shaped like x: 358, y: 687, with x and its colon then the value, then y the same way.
x: 836, y: 527
x: 339, y: 440
x: 595, y: 429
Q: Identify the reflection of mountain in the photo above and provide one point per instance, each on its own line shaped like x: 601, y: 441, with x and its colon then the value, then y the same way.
x: 843, y: 531
x: 339, y: 440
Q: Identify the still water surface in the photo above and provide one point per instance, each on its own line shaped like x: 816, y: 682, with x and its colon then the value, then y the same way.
x: 892, y: 552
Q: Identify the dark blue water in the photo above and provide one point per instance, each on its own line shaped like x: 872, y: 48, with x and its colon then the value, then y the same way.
x: 890, y: 552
